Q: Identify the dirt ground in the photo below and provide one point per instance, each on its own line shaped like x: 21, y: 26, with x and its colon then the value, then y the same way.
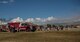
x: 41, y: 36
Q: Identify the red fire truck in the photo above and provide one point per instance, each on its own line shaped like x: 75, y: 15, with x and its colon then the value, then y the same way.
x: 19, y: 26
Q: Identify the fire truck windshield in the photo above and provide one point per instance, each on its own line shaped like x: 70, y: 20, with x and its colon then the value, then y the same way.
x: 24, y: 24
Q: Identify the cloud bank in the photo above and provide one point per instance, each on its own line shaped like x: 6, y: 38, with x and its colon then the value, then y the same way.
x: 34, y: 20
x: 47, y: 20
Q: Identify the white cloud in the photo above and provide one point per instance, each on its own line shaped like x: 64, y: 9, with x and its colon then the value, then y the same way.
x: 11, y: 0
x: 6, y: 1
x: 29, y: 20
x: 38, y: 19
x: 18, y: 19
x: 41, y: 20
x: 51, y: 18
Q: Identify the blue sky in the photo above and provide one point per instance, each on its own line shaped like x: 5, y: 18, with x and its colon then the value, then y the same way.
x: 39, y: 8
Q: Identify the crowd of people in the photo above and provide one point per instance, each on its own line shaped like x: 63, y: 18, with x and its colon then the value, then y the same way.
x: 48, y: 27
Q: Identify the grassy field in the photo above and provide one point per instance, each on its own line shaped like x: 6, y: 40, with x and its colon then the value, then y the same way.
x: 50, y: 36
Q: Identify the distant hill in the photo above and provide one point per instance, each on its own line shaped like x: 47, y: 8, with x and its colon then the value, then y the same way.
x: 66, y: 23
x: 78, y: 22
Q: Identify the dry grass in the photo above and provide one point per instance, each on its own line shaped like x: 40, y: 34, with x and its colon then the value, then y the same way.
x: 51, y: 36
